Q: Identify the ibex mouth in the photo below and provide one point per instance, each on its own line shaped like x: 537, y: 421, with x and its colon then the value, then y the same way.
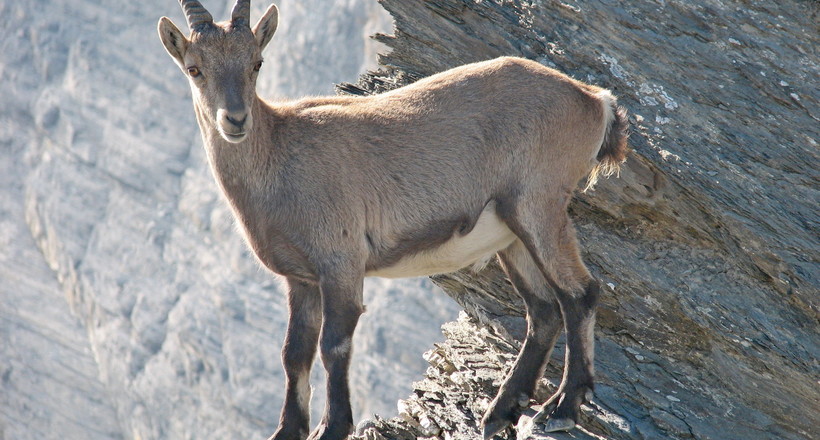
x: 234, y: 137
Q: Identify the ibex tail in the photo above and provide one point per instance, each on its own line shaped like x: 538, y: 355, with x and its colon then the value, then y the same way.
x: 613, y: 149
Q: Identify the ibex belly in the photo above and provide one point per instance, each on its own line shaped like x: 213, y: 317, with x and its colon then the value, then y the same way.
x: 488, y: 236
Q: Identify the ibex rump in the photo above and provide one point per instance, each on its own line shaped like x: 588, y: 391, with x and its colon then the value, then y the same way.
x: 438, y: 175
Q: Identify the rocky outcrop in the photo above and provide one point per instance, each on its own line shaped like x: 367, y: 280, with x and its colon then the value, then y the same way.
x: 707, y: 242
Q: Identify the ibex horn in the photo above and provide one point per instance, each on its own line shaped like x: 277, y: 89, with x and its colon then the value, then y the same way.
x: 195, y: 13
x: 241, y: 13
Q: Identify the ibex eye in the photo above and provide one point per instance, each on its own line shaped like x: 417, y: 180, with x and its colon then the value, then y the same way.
x: 257, y: 66
x: 194, y: 71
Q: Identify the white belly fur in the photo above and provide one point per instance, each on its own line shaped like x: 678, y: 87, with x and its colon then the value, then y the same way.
x: 489, y: 236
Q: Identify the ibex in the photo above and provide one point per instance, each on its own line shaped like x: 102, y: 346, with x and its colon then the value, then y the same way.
x: 476, y: 161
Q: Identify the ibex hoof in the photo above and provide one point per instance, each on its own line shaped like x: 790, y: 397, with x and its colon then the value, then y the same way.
x: 491, y: 428
x: 330, y: 432
x: 504, y: 411
x: 553, y: 425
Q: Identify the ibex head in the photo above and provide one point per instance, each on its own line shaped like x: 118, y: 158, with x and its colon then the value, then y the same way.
x: 221, y: 61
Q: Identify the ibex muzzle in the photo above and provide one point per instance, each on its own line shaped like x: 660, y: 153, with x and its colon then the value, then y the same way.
x: 233, y: 117
x: 477, y: 161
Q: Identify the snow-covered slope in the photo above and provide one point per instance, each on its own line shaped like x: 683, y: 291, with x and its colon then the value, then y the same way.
x: 129, y: 307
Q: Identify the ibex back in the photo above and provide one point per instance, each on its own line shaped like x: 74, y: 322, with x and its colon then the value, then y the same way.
x: 477, y: 161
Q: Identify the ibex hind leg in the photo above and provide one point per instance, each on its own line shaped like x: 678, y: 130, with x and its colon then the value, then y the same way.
x: 547, y: 232
x: 543, y: 327
x: 304, y: 321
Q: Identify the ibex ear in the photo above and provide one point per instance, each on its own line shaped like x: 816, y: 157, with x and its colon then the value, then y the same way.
x: 175, y: 43
x: 264, y: 30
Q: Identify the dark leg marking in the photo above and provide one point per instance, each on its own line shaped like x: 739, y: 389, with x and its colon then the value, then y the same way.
x: 341, y: 308
x: 304, y: 303
x: 554, y: 249
x: 577, y: 384
x: 543, y: 328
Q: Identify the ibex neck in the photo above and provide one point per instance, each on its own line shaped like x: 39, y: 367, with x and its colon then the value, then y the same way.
x: 237, y: 166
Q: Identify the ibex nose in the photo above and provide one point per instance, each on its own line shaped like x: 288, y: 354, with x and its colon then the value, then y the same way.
x: 234, y: 125
x: 237, y: 119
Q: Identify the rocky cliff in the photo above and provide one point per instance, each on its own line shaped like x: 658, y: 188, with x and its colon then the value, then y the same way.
x: 707, y: 243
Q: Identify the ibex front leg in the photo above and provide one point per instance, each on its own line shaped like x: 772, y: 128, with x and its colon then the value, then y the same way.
x: 304, y: 322
x: 341, y: 308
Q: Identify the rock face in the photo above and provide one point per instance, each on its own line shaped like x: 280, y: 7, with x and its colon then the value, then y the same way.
x: 708, y: 241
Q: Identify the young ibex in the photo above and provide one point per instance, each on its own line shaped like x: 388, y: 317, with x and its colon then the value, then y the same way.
x: 429, y: 178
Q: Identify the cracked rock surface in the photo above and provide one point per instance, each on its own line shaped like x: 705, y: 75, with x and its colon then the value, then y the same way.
x: 707, y: 243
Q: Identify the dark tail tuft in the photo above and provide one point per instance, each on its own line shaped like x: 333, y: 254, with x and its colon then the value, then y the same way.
x: 614, y: 149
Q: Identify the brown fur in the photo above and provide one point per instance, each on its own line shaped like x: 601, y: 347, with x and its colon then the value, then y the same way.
x: 329, y: 189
